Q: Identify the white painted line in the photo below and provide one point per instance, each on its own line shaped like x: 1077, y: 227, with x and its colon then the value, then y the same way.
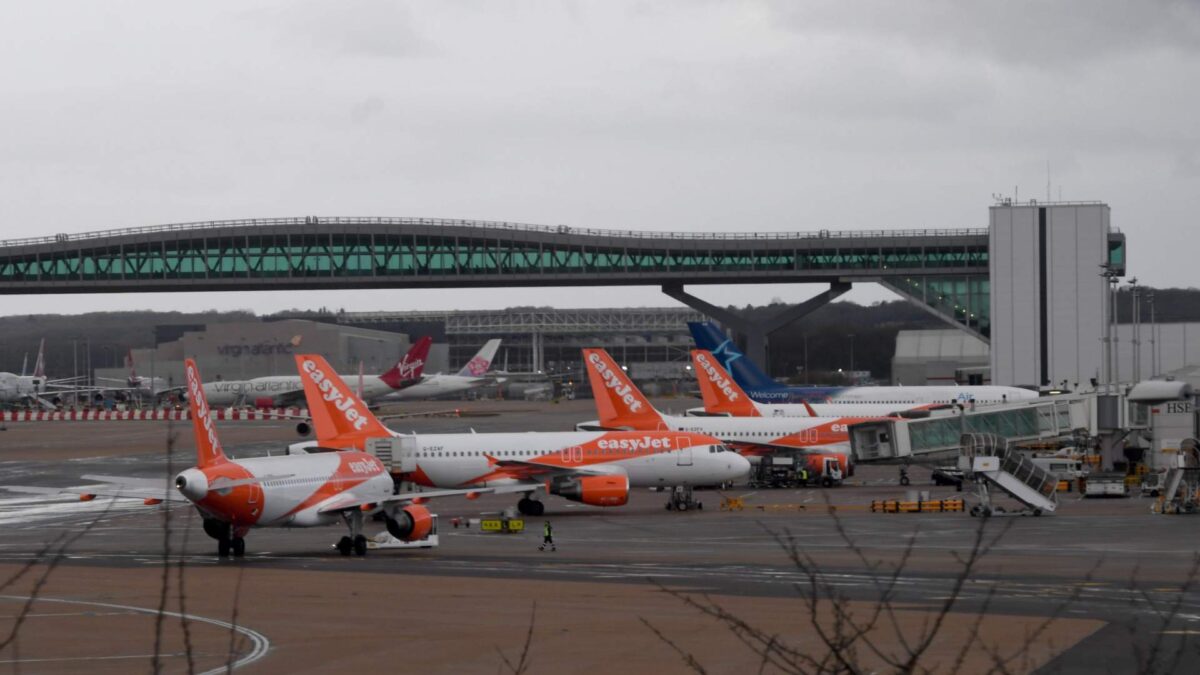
x: 260, y: 643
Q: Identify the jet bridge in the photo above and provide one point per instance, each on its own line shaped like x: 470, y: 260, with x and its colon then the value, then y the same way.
x: 939, y: 437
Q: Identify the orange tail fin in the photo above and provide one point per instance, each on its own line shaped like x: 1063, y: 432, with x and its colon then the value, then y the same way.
x: 720, y: 393
x: 337, y: 413
x: 208, y: 446
x: 618, y: 401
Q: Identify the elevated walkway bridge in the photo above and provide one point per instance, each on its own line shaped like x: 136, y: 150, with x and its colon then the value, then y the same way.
x: 944, y: 271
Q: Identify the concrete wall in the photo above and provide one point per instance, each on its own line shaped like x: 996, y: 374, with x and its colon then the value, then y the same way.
x: 243, y: 350
x: 1065, y: 273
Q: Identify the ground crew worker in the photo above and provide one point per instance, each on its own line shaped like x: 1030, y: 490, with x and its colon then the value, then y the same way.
x: 803, y: 476
x: 547, y: 538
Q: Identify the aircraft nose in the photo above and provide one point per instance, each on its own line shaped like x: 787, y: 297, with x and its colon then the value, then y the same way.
x: 738, y: 465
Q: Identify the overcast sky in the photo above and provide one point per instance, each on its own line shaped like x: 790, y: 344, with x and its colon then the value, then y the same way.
x: 716, y: 116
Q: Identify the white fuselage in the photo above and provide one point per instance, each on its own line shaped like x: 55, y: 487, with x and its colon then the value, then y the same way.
x: 296, y: 489
x: 433, y: 386
x: 926, y: 395
x: 472, y: 460
x: 15, y: 388
x: 280, y: 389
x: 824, y: 433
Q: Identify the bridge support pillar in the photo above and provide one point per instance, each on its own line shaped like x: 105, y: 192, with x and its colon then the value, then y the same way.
x: 756, y: 332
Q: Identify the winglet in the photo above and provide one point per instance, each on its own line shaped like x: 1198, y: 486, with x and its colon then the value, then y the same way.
x: 720, y: 393
x: 619, y: 403
x: 408, y: 370
x: 337, y: 413
x: 208, y: 446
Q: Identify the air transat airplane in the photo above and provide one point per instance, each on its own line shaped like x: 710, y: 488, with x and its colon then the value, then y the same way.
x: 595, y: 468
x: 472, y: 375
x: 622, y: 406
x: 303, y: 490
x: 723, y: 396
x: 760, y: 387
x: 285, y: 390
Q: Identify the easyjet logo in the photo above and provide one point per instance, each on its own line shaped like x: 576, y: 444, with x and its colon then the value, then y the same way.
x: 363, y: 466
x: 719, y: 381
x: 409, y: 368
x: 196, y: 391
x: 331, y: 393
x: 615, y: 382
x: 643, y: 443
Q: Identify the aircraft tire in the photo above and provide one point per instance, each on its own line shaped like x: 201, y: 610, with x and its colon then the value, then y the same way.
x: 239, y: 546
x: 223, y: 546
x: 360, y: 545
x: 345, y: 545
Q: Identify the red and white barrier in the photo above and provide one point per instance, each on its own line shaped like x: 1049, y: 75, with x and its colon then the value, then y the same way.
x: 230, y: 414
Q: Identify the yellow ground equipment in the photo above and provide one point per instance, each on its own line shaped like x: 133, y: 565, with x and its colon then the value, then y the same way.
x: 930, y: 506
x: 502, y: 525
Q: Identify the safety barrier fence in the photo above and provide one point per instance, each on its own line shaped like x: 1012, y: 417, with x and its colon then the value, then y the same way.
x: 146, y: 415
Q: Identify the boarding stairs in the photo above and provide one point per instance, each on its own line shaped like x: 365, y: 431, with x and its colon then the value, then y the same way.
x: 1181, y: 486
x: 991, y: 461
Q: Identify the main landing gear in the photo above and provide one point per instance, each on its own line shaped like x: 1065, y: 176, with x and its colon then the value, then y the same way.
x: 229, y: 541
x: 530, y: 507
x: 354, y: 543
x: 682, y: 499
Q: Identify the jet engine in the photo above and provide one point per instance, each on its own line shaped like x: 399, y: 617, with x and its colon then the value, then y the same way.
x: 410, y: 523
x: 610, y: 490
x: 304, y: 429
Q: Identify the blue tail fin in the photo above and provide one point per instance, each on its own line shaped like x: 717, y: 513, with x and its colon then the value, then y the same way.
x: 745, y: 372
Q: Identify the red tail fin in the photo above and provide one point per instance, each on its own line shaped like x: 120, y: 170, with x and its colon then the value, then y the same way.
x: 336, y: 412
x: 618, y: 401
x: 720, y: 393
x: 409, y: 368
x: 208, y: 446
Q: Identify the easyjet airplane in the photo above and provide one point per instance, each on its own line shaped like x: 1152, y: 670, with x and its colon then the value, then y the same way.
x: 722, y: 395
x: 302, y: 490
x: 596, y: 468
x: 622, y: 406
x: 284, y: 390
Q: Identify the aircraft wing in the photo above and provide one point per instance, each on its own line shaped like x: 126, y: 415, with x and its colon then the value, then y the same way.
x: 137, y: 489
x: 350, y: 500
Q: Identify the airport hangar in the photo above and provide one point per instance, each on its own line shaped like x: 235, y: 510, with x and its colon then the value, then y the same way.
x: 1030, y: 284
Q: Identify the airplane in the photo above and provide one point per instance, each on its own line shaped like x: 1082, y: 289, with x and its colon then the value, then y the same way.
x: 622, y: 406
x: 137, y: 385
x: 595, y: 468
x: 472, y: 375
x: 760, y: 387
x: 279, y: 391
x: 37, y: 388
x: 293, y: 490
x: 723, y: 396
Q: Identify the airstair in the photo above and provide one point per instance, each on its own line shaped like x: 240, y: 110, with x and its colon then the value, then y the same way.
x: 991, y: 461
x: 1181, y: 485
